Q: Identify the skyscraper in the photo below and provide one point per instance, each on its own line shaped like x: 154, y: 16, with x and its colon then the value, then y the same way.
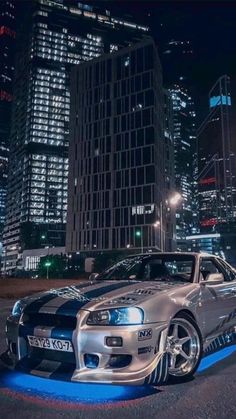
x: 7, y: 45
x: 177, y: 62
x: 185, y: 161
x: 217, y: 176
x: 216, y: 160
x: 53, y: 36
x: 117, y: 180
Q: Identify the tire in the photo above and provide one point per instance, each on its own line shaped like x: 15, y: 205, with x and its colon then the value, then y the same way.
x: 184, y: 346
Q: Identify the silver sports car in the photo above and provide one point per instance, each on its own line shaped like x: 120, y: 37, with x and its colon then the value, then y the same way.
x: 144, y: 320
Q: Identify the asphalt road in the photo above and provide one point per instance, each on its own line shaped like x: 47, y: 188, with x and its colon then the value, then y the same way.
x: 211, y: 394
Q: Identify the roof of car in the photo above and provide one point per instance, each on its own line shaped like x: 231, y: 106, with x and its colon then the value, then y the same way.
x: 196, y: 254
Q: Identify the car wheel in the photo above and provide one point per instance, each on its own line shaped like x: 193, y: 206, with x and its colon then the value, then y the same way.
x: 184, y: 347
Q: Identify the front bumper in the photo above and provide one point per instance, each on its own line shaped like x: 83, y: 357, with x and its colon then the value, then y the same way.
x: 142, y: 350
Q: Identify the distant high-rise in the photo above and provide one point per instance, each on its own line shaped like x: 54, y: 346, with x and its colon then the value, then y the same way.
x: 216, y: 160
x: 217, y: 177
x: 177, y: 62
x: 53, y: 36
x: 119, y: 176
x: 185, y: 162
x: 7, y: 45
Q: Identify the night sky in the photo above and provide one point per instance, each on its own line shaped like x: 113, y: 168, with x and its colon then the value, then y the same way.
x: 209, y: 25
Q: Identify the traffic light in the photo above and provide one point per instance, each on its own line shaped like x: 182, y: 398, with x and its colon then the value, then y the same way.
x: 138, y: 233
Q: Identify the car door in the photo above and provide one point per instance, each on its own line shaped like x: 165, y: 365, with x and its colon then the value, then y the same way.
x: 218, y: 300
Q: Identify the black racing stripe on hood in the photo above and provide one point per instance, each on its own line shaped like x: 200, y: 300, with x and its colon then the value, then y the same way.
x: 72, y: 307
x: 36, y: 305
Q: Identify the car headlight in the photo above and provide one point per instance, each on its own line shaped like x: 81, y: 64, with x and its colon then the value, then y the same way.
x: 116, y: 317
x: 18, y: 308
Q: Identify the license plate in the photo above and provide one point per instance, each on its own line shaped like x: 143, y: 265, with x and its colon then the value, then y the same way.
x: 50, y: 343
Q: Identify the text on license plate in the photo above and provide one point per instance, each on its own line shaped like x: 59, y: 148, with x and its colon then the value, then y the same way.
x: 50, y: 343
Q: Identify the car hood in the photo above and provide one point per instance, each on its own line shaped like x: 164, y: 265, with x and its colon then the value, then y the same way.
x: 97, y: 295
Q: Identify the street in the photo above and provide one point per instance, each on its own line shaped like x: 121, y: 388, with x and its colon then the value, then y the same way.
x: 210, y: 395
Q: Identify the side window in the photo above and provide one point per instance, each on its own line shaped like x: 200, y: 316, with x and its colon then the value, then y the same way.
x: 230, y: 274
x: 208, y: 266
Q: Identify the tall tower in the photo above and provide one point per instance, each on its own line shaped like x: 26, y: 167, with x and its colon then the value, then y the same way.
x: 216, y: 160
x: 177, y: 61
x: 118, y: 180
x: 53, y: 36
x: 185, y: 161
x: 7, y: 46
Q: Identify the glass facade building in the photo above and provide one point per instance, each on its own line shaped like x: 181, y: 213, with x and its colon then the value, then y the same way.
x: 177, y: 60
x: 7, y: 45
x: 117, y: 161
x: 216, y: 177
x: 185, y: 162
x: 53, y: 36
x: 216, y: 160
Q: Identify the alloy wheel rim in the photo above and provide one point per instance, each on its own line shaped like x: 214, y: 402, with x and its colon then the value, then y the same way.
x: 183, y: 347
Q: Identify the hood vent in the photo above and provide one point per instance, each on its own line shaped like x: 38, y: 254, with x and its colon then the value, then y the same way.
x: 143, y: 291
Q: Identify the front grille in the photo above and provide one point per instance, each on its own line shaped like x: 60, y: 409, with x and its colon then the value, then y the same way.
x: 50, y: 320
x: 51, y: 355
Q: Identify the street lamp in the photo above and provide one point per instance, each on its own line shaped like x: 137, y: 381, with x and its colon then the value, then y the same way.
x: 139, y: 233
x: 173, y: 200
x: 48, y: 264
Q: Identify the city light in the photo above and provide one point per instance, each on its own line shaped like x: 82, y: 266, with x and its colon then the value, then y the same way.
x: 48, y: 264
x: 175, y: 199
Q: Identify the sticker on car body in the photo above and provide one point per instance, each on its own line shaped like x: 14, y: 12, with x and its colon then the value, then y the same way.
x: 145, y: 334
x: 145, y: 350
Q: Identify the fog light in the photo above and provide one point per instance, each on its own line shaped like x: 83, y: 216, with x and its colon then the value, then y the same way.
x: 91, y: 360
x: 114, y: 341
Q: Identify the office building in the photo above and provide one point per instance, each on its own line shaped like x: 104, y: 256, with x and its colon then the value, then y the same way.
x: 216, y: 160
x: 53, y: 36
x: 7, y: 46
x: 177, y: 58
x: 118, y: 171
x: 184, y: 130
x: 216, y: 177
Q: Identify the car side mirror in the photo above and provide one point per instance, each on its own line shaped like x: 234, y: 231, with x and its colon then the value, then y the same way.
x: 93, y: 276
x: 214, y: 279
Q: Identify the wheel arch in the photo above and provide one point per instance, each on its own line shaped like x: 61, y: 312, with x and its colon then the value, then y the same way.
x: 185, y: 311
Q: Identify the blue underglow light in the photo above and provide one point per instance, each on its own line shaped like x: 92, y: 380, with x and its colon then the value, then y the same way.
x: 92, y: 394
x: 72, y: 392
x: 212, y: 359
x: 220, y: 100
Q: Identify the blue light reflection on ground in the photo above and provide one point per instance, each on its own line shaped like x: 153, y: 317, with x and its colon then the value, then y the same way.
x: 90, y: 393
x: 76, y: 392
x: 212, y: 359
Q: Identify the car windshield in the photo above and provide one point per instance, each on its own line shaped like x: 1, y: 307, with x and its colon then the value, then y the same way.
x: 163, y: 267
